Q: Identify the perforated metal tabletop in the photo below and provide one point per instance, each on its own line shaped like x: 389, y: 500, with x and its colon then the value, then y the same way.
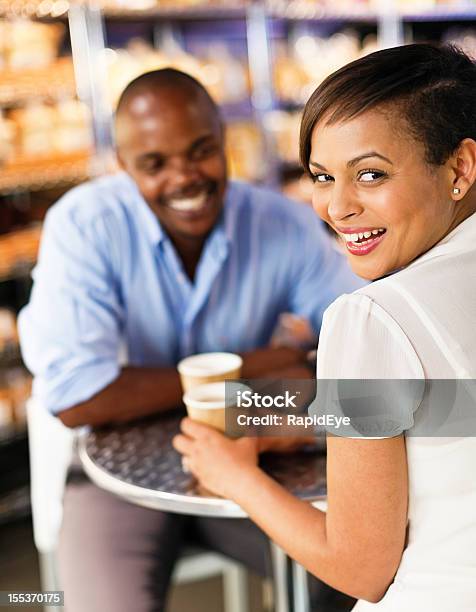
x: 137, y: 461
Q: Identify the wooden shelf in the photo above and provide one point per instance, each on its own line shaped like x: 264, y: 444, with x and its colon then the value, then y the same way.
x: 34, y: 9
x: 57, y: 9
x: 52, y: 82
x: 18, y: 253
x: 296, y: 10
x: 44, y: 173
x: 197, y: 13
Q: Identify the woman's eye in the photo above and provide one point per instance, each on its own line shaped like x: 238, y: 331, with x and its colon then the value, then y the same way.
x: 321, y: 178
x: 369, y: 176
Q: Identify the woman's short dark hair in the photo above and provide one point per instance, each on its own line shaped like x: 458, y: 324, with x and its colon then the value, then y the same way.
x: 431, y: 87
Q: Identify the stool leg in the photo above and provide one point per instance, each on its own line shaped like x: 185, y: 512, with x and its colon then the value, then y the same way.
x: 49, y: 577
x: 267, y: 592
x: 235, y: 589
x: 280, y: 577
x: 300, y: 590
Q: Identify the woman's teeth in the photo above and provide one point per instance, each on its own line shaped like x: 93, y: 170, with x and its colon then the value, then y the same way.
x: 189, y: 204
x: 362, y: 237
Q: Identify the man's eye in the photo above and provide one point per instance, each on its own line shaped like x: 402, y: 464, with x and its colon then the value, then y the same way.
x: 204, y: 152
x: 321, y: 178
x: 369, y: 176
x: 151, y: 168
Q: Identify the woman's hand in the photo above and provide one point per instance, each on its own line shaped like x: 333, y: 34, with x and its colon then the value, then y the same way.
x: 215, y: 460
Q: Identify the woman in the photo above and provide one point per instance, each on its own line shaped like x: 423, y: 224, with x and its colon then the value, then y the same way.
x: 390, y: 143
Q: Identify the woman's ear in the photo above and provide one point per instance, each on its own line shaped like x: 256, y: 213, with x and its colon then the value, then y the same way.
x: 463, y: 167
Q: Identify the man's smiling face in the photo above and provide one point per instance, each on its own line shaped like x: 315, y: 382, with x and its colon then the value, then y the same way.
x: 171, y: 143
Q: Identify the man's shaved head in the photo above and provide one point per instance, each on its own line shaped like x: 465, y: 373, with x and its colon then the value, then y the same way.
x: 158, y: 91
x: 170, y: 140
x: 160, y: 83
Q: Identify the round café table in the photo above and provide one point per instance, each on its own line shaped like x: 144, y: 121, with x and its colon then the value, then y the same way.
x: 136, y: 461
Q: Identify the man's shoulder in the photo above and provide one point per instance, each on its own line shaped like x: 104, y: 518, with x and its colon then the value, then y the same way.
x: 265, y: 203
x: 100, y: 197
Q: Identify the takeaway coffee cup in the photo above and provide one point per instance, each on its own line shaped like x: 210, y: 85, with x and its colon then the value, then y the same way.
x: 208, y: 403
x: 208, y: 368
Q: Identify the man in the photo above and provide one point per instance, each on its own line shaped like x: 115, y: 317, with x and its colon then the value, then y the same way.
x: 163, y: 260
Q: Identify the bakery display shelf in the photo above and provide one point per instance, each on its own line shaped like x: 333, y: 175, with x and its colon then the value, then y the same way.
x: 34, y: 9
x: 197, y: 13
x: 294, y: 11
x: 441, y: 14
x: 45, y: 173
x: 48, y: 83
x: 18, y: 253
x: 211, y: 13
x: 236, y: 111
x: 314, y: 12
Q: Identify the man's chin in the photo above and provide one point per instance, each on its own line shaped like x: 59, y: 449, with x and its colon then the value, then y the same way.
x: 195, y: 226
x: 195, y: 233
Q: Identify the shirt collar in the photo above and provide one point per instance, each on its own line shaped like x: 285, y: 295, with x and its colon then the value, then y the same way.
x: 464, y: 233
x: 222, y: 233
x: 150, y: 224
x: 461, y: 238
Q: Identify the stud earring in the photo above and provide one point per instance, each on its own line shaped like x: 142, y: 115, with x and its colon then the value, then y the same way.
x: 456, y: 190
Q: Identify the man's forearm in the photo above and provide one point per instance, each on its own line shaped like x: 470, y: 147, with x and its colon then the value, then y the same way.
x: 141, y: 391
x: 136, y: 392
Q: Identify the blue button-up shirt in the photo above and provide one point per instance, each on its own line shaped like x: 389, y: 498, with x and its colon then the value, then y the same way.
x: 109, y: 277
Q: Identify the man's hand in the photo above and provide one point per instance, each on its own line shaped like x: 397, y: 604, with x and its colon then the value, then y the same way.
x: 215, y: 460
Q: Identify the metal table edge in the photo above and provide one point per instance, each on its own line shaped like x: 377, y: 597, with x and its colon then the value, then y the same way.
x: 161, y: 500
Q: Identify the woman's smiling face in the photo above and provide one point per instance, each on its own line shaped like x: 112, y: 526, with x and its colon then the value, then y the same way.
x: 373, y: 185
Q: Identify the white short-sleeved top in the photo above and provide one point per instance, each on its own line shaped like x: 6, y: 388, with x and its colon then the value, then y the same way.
x: 420, y: 323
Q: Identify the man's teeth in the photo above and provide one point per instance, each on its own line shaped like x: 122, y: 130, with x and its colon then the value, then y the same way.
x: 189, y: 204
x: 361, y: 235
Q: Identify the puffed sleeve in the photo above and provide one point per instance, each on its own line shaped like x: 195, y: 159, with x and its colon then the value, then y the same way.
x: 368, y: 373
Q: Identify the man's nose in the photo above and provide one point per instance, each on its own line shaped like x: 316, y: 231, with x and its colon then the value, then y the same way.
x: 182, y: 171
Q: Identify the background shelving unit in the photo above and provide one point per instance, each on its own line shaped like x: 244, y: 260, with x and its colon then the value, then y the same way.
x: 262, y: 26
x: 42, y: 125
x: 272, y: 54
x: 37, y: 162
x: 191, y: 40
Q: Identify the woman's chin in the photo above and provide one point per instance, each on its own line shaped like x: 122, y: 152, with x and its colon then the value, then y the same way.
x: 369, y: 272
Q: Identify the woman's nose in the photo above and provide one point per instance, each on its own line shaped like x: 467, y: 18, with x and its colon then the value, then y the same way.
x: 342, y: 203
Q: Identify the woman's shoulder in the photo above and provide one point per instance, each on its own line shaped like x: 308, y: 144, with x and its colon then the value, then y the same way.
x: 361, y: 339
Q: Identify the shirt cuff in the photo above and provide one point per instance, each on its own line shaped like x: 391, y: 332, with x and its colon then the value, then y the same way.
x: 76, y: 387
